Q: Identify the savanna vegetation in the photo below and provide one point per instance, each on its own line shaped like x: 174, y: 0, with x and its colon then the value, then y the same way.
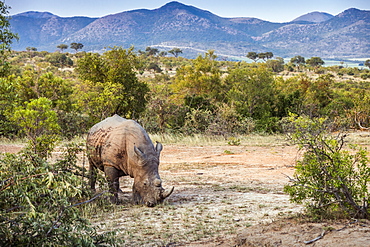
x: 168, y: 94
x: 47, y: 97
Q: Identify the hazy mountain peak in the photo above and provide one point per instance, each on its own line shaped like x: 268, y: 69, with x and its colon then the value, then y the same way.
x: 314, y: 17
x: 177, y: 6
x: 36, y: 14
x: 173, y: 4
x: 353, y: 12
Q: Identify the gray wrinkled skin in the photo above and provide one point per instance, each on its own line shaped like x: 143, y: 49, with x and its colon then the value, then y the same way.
x: 121, y: 147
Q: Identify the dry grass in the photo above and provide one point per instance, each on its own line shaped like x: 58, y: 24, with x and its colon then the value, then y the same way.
x: 207, y: 140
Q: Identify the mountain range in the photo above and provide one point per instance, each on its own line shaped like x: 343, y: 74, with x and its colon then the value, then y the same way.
x: 346, y: 35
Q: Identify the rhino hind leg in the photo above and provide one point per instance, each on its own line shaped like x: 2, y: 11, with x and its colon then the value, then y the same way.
x: 112, y: 174
x: 92, y: 176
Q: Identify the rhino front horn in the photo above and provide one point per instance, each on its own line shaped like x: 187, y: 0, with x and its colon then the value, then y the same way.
x: 167, y: 193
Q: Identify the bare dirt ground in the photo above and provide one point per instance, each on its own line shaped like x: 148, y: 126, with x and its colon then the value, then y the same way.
x: 224, y: 196
x: 252, y: 178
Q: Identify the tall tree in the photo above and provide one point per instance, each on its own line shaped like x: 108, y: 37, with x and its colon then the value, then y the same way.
x: 315, y: 61
x: 175, y: 51
x: 253, y: 56
x: 265, y: 55
x: 201, y: 79
x: 62, y: 47
x: 6, y: 37
x: 251, y: 91
x: 151, y: 51
x: 76, y: 46
x: 111, y: 84
x: 298, y: 60
x: 367, y: 63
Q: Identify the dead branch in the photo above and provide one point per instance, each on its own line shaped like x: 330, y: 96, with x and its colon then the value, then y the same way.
x: 290, y: 179
x: 315, y: 239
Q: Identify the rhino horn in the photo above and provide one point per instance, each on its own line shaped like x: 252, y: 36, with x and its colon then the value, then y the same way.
x: 167, y: 193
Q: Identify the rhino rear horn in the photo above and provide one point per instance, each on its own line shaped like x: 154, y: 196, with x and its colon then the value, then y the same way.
x: 167, y: 193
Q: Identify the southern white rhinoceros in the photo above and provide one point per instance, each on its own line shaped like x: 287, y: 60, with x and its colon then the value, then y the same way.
x: 121, y: 147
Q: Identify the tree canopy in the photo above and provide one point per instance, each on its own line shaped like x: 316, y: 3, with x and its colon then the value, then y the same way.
x: 76, y: 46
x: 111, y: 85
x: 6, y: 37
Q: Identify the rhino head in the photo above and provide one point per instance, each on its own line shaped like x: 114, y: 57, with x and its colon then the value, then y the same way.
x: 147, y: 188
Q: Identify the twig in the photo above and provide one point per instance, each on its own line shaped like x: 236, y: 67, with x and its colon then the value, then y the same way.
x: 55, y: 223
x: 315, y: 239
x: 323, y: 233
x: 290, y: 179
x: 344, y: 227
x: 90, y: 200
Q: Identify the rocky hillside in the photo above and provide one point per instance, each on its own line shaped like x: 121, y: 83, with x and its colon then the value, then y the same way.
x: 314, y: 17
x: 193, y: 29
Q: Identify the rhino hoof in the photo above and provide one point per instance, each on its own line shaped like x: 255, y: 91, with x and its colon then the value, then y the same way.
x: 114, y: 200
x: 150, y: 204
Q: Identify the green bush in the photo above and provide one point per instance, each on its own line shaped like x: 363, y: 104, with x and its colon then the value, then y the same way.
x: 197, y: 121
x: 39, y: 122
x: 332, y: 181
x: 59, y: 59
x: 39, y: 203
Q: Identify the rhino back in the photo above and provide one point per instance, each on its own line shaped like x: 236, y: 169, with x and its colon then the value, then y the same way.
x: 111, y: 143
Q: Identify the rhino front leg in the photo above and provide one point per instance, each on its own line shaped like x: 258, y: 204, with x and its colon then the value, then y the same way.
x: 112, y: 174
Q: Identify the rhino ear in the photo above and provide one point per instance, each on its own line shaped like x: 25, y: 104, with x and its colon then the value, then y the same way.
x: 158, y: 147
x: 139, y: 153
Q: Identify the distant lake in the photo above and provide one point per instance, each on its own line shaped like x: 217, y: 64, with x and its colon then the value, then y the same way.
x: 346, y: 63
x: 349, y: 62
x: 355, y: 62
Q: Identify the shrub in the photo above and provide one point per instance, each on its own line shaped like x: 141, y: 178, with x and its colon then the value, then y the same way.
x: 39, y: 203
x: 197, y: 121
x: 59, y: 59
x: 39, y: 122
x: 330, y: 180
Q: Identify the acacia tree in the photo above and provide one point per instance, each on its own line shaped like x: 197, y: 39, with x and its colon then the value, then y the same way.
x: 6, y: 38
x: 62, y: 47
x: 253, y: 56
x: 298, y: 60
x: 151, y: 51
x: 265, y: 55
x: 76, y: 46
x: 175, y: 51
x: 367, y: 63
x: 30, y: 48
x: 315, y: 61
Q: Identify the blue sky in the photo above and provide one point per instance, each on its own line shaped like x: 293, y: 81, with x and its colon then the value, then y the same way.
x: 270, y: 10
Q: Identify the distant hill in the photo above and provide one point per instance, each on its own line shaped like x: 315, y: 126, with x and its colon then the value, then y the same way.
x: 195, y: 30
x: 44, y: 30
x: 314, y: 17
